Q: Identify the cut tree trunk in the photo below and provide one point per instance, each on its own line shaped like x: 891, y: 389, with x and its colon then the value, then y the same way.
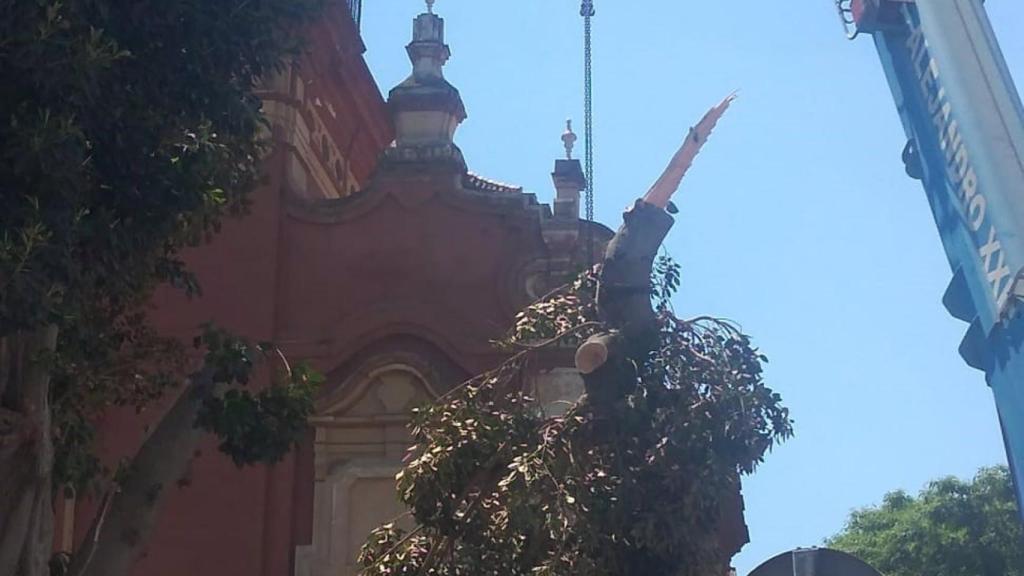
x: 608, y: 360
x: 26, y: 453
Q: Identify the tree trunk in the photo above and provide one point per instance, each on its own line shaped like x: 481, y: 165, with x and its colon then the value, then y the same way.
x: 608, y: 360
x: 118, y: 535
x: 26, y: 453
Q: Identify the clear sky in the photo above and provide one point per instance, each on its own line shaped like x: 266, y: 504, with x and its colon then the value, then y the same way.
x: 797, y: 220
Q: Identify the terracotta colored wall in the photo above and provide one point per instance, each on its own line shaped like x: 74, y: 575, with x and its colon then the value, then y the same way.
x: 404, y: 257
x: 410, y: 256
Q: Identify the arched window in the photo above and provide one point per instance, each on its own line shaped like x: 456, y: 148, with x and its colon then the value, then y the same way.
x: 361, y: 438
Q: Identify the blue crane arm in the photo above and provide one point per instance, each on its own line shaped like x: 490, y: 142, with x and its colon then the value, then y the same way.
x: 965, y: 129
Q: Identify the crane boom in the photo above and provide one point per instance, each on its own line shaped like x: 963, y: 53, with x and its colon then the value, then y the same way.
x: 965, y: 128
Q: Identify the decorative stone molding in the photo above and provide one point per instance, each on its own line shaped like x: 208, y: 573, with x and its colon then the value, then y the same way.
x: 434, y: 153
x: 347, y: 504
x: 316, y: 167
x: 557, y: 389
x: 425, y: 108
x: 361, y: 438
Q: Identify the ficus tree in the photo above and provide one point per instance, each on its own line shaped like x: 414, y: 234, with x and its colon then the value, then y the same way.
x: 128, y: 130
x: 953, y: 527
x: 631, y: 479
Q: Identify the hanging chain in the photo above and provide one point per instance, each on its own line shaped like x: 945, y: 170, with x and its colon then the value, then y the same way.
x: 587, y: 11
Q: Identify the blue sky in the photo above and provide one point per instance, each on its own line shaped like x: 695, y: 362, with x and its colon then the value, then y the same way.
x: 797, y: 221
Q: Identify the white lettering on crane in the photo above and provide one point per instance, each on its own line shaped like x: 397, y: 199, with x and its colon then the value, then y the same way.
x: 959, y: 168
x: 995, y: 274
x: 977, y: 208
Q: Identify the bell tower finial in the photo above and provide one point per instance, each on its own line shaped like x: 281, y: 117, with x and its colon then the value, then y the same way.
x: 569, y: 180
x: 568, y: 139
x: 425, y: 108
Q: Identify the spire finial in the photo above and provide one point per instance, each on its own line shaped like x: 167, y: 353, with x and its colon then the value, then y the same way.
x: 430, y: 6
x: 568, y: 138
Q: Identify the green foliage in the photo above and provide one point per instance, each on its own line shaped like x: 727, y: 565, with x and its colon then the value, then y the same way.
x: 666, y: 277
x: 128, y: 130
x: 123, y: 363
x: 632, y: 488
x: 560, y: 313
x: 952, y: 528
x: 262, y: 426
x: 259, y: 426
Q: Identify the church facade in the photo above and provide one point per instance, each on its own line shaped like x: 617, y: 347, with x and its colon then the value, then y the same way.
x: 373, y: 253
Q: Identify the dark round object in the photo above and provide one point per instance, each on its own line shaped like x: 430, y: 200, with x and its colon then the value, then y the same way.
x: 815, y: 562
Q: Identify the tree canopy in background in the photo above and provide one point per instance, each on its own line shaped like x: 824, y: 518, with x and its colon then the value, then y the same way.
x: 952, y: 528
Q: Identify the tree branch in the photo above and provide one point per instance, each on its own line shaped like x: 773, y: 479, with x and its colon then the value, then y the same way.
x: 661, y: 192
x: 83, y: 557
x: 608, y: 360
x: 135, y: 507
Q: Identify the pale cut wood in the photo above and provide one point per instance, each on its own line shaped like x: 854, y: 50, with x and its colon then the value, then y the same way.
x: 666, y: 185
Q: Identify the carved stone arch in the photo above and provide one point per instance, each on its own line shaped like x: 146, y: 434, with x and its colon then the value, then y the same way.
x: 384, y: 390
x: 406, y: 352
x: 361, y: 438
x: 539, y: 276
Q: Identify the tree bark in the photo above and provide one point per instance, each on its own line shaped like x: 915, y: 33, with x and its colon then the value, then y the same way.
x: 118, y: 535
x: 608, y: 360
x: 26, y: 453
